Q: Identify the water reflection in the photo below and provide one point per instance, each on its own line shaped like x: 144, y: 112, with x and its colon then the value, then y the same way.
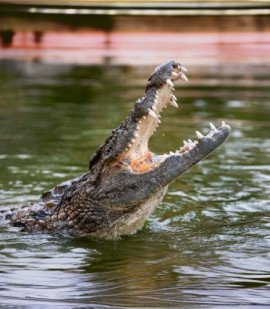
x: 6, y: 37
x: 206, y: 244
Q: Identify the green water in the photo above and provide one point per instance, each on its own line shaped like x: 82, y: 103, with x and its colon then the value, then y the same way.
x: 207, y: 244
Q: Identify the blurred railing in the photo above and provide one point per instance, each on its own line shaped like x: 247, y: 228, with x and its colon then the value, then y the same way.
x: 212, y: 38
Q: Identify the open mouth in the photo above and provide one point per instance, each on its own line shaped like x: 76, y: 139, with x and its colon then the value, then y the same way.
x: 137, y: 156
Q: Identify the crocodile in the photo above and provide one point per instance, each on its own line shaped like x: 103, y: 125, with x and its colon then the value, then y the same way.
x: 125, y: 180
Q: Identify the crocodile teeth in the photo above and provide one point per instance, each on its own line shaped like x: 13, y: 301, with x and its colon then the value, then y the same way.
x: 174, y: 74
x: 171, y: 153
x: 185, y: 147
x: 183, y: 77
x: 136, y: 134
x: 174, y: 97
x: 190, y: 141
x: 185, y: 143
x: 223, y: 123
x: 158, y: 120
x: 182, y: 149
x: 199, y: 135
x: 173, y: 103
x: 212, y: 126
x: 169, y: 82
x: 182, y: 68
x: 154, y: 108
x: 152, y: 114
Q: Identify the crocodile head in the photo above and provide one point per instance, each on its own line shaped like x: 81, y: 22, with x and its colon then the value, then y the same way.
x: 125, y: 180
x: 125, y: 171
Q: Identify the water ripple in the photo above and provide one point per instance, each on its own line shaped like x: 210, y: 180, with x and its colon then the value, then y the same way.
x: 206, y: 245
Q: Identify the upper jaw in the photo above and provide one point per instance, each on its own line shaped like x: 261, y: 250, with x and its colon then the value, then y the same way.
x: 159, y: 90
x: 171, y: 70
x: 158, y: 95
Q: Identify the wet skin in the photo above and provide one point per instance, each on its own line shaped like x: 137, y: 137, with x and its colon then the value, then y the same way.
x: 125, y: 181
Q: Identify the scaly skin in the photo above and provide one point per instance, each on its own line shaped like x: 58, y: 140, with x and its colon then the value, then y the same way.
x: 125, y: 181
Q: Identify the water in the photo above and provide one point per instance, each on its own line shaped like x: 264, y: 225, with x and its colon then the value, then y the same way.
x: 207, y: 244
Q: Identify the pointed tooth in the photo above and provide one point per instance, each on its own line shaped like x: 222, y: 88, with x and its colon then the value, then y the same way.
x: 190, y: 141
x: 212, y: 126
x: 169, y: 82
x: 152, y: 114
x: 174, y: 97
x: 133, y: 141
x: 174, y: 74
x: 171, y: 153
x: 223, y: 123
x: 183, y: 77
x: 158, y: 120
x: 136, y: 134
x: 174, y: 104
x: 183, y: 68
x: 181, y: 150
x: 154, y: 108
x: 186, y: 146
x: 199, y: 135
x: 129, y: 145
